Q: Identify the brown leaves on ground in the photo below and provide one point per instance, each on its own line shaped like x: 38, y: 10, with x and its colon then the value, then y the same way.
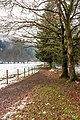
x: 50, y: 97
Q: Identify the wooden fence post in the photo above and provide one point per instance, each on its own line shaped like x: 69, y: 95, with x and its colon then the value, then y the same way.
x: 28, y: 70
x: 24, y: 72
x: 34, y: 69
x: 17, y: 74
x: 7, y: 76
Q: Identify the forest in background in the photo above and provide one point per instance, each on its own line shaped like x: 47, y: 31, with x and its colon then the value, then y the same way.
x: 10, y: 52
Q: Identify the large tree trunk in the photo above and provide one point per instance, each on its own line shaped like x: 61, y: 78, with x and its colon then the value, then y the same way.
x: 64, y: 64
x: 50, y: 64
x: 64, y: 55
x: 71, y: 65
x: 65, y: 13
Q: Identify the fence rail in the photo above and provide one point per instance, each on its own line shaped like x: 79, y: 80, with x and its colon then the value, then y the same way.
x: 18, y: 75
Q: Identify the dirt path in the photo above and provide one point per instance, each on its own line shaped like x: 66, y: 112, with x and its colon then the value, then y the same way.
x: 18, y: 91
x: 15, y: 92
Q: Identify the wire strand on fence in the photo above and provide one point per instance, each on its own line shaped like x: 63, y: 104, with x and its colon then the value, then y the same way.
x: 29, y: 71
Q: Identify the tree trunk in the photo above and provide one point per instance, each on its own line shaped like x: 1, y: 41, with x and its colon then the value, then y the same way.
x: 50, y: 64
x: 64, y: 56
x: 71, y: 65
x: 64, y: 65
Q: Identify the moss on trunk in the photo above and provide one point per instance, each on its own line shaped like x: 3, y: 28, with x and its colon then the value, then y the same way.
x: 71, y: 64
x: 64, y: 53
x: 50, y: 64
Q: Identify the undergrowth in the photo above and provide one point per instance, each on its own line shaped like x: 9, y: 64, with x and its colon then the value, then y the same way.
x: 48, y: 103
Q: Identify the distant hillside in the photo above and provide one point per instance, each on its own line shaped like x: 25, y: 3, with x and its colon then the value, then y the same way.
x: 2, y: 45
x: 10, y: 52
x: 5, y: 45
x: 31, y: 52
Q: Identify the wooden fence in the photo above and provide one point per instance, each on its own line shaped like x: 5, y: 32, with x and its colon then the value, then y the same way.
x: 25, y: 73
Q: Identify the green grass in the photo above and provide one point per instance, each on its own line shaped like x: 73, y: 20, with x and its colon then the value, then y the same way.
x: 49, y: 103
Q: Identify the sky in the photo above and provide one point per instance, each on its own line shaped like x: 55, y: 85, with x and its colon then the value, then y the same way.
x: 18, y: 13
x: 2, y: 13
